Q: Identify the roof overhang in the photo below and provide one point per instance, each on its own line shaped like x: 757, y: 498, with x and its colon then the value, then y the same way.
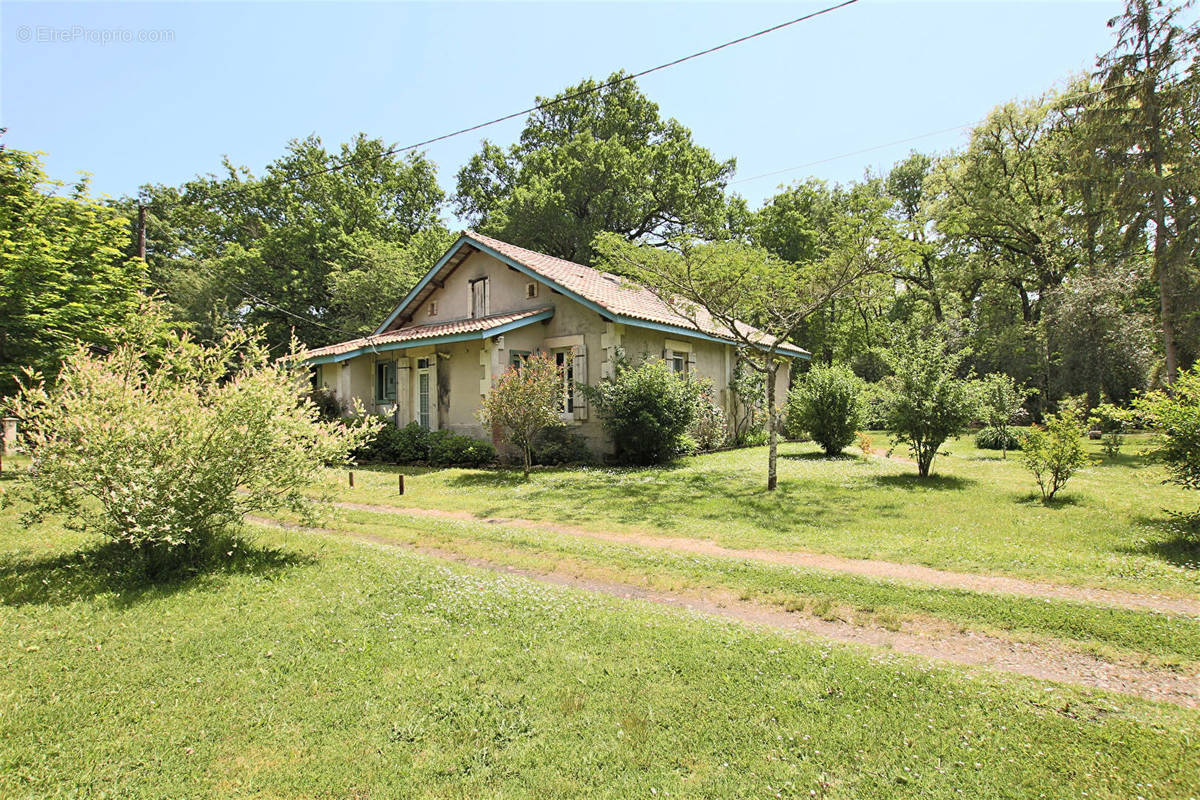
x: 369, y: 346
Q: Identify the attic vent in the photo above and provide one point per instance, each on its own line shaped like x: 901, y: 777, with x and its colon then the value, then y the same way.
x: 433, y: 308
x: 531, y: 289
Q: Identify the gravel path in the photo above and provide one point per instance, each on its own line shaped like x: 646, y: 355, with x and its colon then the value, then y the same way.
x: 1044, y: 661
x: 889, y: 570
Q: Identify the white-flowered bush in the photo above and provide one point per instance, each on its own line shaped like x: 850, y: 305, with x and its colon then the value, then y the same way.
x: 164, y: 446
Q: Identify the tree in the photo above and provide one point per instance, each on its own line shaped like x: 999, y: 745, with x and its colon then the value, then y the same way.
x: 1055, y: 453
x: 278, y: 250
x: 597, y: 157
x: 826, y: 403
x: 163, y: 449
x: 725, y: 285
x: 927, y: 402
x: 1000, y: 400
x: 63, y: 276
x: 1147, y: 134
x: 526, y: 399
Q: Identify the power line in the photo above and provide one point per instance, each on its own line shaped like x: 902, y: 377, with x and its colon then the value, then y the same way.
x: 549, y: 103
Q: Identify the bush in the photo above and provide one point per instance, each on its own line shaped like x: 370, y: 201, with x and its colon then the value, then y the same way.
x: 826, y: 404
x: 1176, y: 418
x: 927, y: 402
x: 525, y: 400
x: 557, y: 445
x: 1112, y: 422
x: 646, y: 409
x: 997, y: 439
x: 448, y: 449
x: 166, y: 454
x: 710, y: 430
x: 1055, y: 453
x: 328, y: 406
x: 392, y: 445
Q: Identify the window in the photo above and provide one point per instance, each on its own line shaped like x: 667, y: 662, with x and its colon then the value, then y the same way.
x: 423, y: 409
x: 567, y: 368
x: 531, y: 289
x: 679, y: 362
x: 479, y: 297
x: 517, y: 358
x: 318, y: 377
x: 433, y: 308
x: 385, y: 382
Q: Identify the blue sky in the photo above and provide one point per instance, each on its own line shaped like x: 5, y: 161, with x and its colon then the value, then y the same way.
x: 242, y: 79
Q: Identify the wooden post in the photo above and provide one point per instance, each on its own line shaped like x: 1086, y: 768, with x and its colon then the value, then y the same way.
x: 400, y: 482
x: 351, y: 479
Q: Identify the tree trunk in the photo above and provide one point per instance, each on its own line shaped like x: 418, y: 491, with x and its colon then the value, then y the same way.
x: 772, y: 426
x: 525, y: 455
x: 1166, y: 308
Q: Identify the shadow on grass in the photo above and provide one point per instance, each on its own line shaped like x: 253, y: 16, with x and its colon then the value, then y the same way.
x: 912, y: 481
x: 820, y: 456
x: 1180, y: 542
x: 112, y: 569
x: 1061, y: 501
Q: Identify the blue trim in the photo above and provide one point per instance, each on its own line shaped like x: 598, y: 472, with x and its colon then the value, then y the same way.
x: 578, y: 298
x: 447, y: 338
x: 421, y: 284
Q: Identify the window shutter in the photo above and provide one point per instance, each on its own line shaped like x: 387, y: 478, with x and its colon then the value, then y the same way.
x: 579, y: 368
x: 691, y: 363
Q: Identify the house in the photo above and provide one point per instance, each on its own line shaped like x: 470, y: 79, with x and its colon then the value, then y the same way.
x: 486, y: 304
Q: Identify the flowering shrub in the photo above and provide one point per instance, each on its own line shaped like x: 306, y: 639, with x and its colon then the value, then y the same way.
x: 710, y: 429
x: 165, y: 453
x: 526, y: 399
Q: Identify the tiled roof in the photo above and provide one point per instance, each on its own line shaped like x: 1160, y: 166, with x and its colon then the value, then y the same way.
x: 480, y: 325
x: 618, y: 295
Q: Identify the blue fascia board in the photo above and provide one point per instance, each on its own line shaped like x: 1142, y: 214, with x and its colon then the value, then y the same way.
x: 421, y: 284
x: 468, y: 336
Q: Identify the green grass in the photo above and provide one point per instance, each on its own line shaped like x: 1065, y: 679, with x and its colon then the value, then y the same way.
x: 1108, y: 631
x: 312, y: 667
x: 977, y: 514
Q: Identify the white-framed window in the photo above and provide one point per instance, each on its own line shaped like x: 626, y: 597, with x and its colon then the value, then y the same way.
x: 679, y: 363
x: 385, y: 381
x: 424, y: 399
x: 479, y: 297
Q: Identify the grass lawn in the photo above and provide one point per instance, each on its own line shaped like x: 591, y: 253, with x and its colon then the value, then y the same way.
x: 316, y: 667
x: 977, y: 514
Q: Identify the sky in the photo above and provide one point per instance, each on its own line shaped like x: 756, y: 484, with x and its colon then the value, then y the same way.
x: 137, y: 93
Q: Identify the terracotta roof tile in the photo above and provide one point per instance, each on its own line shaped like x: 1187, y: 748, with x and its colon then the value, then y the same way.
x: 419, y: 332
x: 618, y: 295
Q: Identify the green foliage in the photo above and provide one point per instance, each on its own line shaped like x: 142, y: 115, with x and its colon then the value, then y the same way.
x: 646, y: 409
x: 557, y: 445
x: 927, y: 401
x: 594, y: 161
x: 711, y: 428
x: 1004, y: 439
x: 1001, y: 401
x: 327, y: 403
x: 64, y: 278
x: 165, y: 454
x: 1054, y: 453
x: 526, y: 399
x: 1176, y: 418
x: 827, y: 404
x: 1112, y: 422
x: 749, y: 389
x: 395, y: 445
x: 449, y: 449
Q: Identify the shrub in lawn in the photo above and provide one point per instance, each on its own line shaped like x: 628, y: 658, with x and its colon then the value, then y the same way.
x: 1112, y: 422
x: 558, y: 445
x: 826, y: 403
x: 1176, y: 418
x: 865, y: 444
x: 392, y: 445
x: 526, y: 399
x: 646, y: 409
x: 1001, y: 400
x: 927, y: 402
x: 449, y: 449
x: 1054, y: 453
x: 166, y: 454
x: 1003, y: 439
x: 710, y: 429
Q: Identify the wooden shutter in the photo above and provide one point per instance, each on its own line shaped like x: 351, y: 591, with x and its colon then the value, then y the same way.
x: 579, y: 367
x: 691, y: 363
